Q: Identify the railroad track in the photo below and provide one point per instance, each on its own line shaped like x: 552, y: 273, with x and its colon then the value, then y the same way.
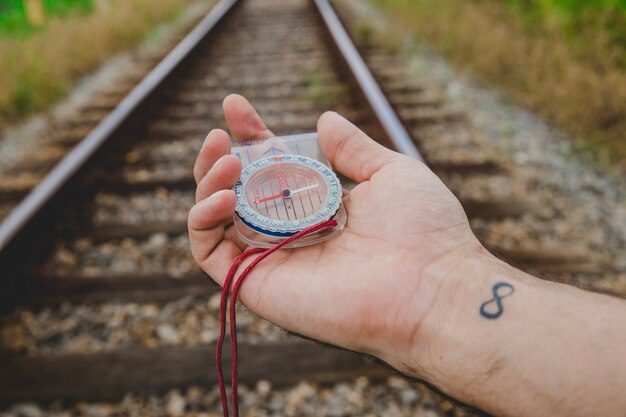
x: 101, y: 296
x: 67, y: 126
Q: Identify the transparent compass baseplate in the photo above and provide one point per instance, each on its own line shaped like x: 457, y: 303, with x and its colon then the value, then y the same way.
x: 286, y: 185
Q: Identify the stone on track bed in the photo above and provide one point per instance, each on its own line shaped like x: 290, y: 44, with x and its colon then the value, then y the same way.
x: 393, y: 397
x: 92, y: 328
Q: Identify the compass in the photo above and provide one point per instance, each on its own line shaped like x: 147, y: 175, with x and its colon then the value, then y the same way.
x: 280, y: 195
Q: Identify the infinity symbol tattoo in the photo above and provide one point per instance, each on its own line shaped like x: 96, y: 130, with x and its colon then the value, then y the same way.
x: 500, y: 290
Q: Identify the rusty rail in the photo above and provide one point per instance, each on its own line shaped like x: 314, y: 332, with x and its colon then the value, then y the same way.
x: 366, y: 82
x: 37, y: 200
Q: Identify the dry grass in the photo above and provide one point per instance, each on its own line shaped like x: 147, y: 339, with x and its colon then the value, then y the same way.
x: 578, y: 87
x: 39, y: 69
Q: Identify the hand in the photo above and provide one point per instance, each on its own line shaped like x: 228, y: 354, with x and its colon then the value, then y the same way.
x: 370, y: 288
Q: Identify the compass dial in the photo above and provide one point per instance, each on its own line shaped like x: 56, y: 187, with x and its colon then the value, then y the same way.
x: 282, y: 195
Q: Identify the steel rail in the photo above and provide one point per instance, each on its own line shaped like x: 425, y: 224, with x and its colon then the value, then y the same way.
x: 64, y: 171
x: 367, y: 83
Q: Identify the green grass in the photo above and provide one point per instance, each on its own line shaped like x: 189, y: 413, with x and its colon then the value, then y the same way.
x: 320, y: 91
x: 38, y: 66
x: 563, y: 59
x: 571, y: 13
x: 578, y: 20
x: 14, y: 22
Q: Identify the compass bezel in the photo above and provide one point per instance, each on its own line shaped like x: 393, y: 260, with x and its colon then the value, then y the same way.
x: 267, y: 225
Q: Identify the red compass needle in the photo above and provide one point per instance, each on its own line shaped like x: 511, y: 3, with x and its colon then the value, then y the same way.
x: 272, y: 197
x: 286, y: 193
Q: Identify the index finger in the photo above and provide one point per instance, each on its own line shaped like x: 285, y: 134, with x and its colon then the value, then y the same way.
x: 216, y: 145
x: 243, y: 120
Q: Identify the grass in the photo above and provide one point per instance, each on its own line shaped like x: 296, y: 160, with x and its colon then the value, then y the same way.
x: 38, y: 68
x: 13, y: 13
x: 564, y: 59
x: 319, y: 90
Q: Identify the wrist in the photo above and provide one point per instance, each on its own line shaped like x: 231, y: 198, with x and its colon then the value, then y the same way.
x: 451, y: 332
x: 457, y: 347
x: 441, y: 283
x: 545, y: 341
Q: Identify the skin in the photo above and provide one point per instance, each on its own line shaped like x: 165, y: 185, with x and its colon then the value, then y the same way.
x: 405, y: 282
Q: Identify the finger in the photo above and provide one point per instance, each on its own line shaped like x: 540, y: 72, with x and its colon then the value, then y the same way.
x: 220, y: 260
x: 231, y: 234
x: 212, y: 212
x: 224, y: 174
x: 243, y: 120
x: 349, y: 150
x: 206, y: 233
x: 216, y: 145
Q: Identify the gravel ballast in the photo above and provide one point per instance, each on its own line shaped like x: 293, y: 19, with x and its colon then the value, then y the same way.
x: 139, y: 208
x: 156, y: 254
x: 98, y: 327
x: 394, y: 397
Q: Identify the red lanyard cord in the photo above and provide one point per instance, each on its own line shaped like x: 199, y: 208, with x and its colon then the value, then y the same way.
x: 223, y: 302
x: 233, y: 323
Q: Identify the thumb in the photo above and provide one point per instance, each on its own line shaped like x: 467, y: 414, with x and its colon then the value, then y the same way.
x: 349, y: 150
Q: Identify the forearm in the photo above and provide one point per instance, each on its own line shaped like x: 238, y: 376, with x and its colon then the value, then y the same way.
x: 547, y: 349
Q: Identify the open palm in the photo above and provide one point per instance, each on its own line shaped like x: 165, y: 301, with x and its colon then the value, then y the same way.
x: 365, y: 290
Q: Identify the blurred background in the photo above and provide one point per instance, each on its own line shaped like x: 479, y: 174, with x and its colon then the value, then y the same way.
x: 564, y: 59
x: 116, y: 283
x: 47, y: 45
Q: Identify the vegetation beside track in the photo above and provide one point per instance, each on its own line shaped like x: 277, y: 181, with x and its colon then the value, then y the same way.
x: 565, y: 59
x: 39, y: 65
x: 21, y: 17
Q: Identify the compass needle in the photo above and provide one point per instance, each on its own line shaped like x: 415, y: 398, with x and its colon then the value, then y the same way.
x: 310, y: 187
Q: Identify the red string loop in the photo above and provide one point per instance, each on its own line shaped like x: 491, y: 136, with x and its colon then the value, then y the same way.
x: 265, y: 252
